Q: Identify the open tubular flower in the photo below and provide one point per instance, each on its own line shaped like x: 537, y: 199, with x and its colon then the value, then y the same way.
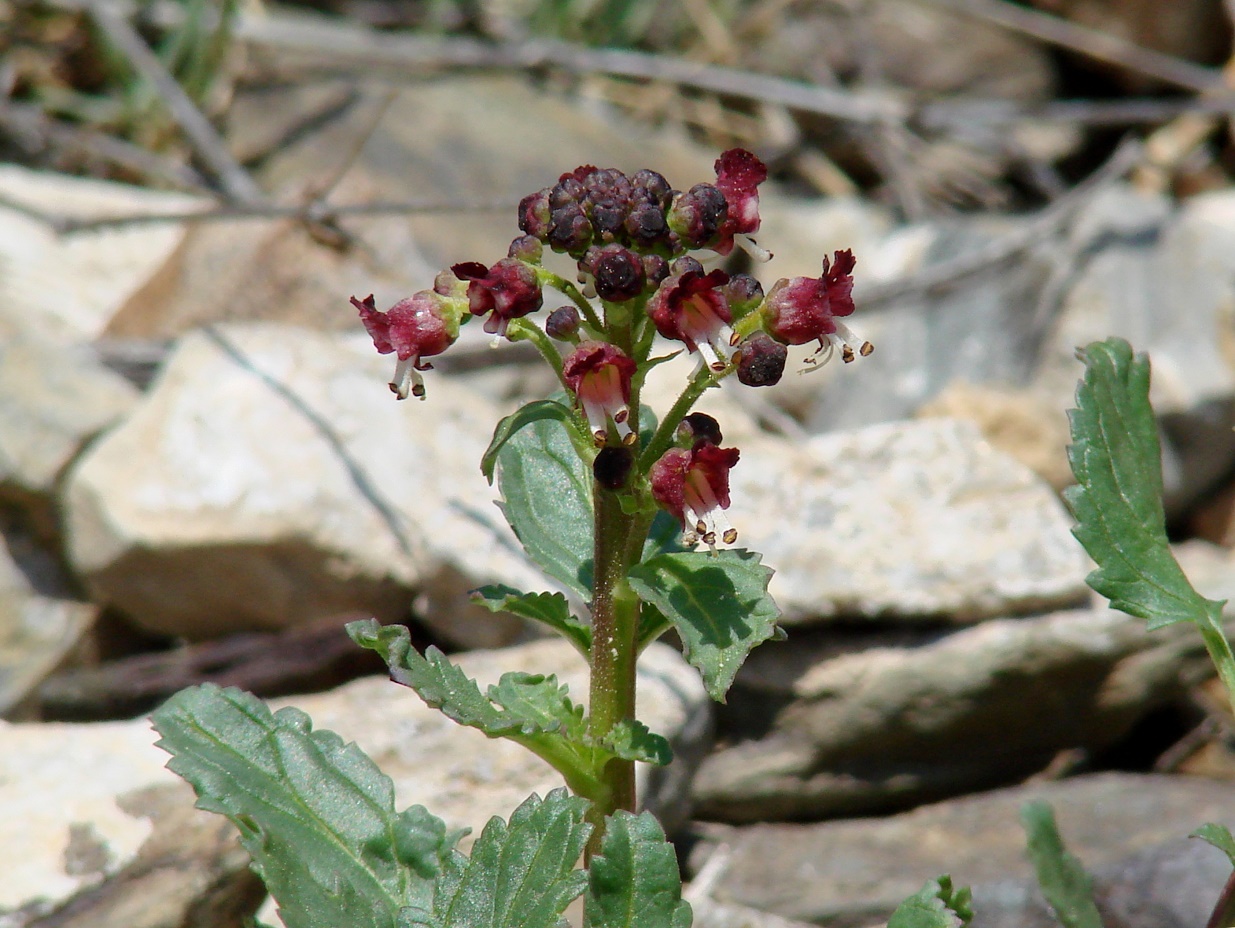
x: 807, y: 309
x: 415, y: 328
x: 508, y: 290
x: 738, y: 176
x: 693, y: 486
x: 689, y: 307
x: 599, y: 374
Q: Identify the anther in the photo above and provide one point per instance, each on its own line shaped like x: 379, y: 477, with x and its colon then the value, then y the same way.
x: 730, y: 536
x: 866, y: 349
x: 847, y: 354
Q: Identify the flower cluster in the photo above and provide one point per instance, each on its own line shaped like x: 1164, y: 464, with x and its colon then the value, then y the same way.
x: 631, y: 238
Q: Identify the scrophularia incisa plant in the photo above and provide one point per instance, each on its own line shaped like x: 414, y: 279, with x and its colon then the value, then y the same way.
x: 623, y: 506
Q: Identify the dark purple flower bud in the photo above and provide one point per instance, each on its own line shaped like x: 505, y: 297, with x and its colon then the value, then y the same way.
x: 744, y: 294
x: 508, y: 290
x: 806, y: 309
x: 563, y: 324
x: 599, y: 374
x: 686, y: 265
x: 691, y: 308
x: 760, y: 360
x: 608, y: 218
x: 534, y: 213
x: 697, y: 215
x: 569, y: 230
x: 646, y: 224
x: 612, y: 467
x: 655, y: 268
x: 617, y: 272
x: 526, y: 248
x: 569, y: 188
x: 738, y: 176
x: 650, y: 187
x: 696, y: 427
x: 693, y: 485
x: 418, y: 327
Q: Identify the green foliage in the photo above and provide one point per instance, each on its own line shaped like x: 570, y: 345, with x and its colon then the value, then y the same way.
x: 935, y: 905
x: 508, y: 427
x: 550, y: 609
x: 1063, y: 880
x: 634, y: 881
x: 718, y: 603
x: 519, y: 875
x: 316, y: 815
x: 1116, y: 458
x: 1219, y: 836
x: 547, y: 499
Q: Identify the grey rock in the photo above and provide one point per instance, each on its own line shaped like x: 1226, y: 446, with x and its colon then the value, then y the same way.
x: 913, y: 519
x: 270, y: 479
x: 854, y: 873
x: 872, y: 725
x: 83, y: 820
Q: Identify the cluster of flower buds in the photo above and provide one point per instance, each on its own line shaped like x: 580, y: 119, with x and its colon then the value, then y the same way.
x: 631, y: 237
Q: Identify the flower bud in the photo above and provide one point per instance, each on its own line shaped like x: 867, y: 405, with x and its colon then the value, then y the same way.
x: 617, y: 271
x: 534, y: 213
x: 612, y: 467
x: 569, y: 229
x: 697, y: 215
x: 646, y: 224
x: 686, y: 265
x: 744, y: 294
x: 761, y: 360
x: 526, y: 248
x: 649, y: 187
x: 696, y: 427
x: 563, y: 324
x: 655, y: 268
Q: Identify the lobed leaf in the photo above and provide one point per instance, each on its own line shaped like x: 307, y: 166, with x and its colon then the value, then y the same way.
x: 718, y: 603
x: 632, y: 740
x: 549, y: 609
x: 634, y: 881
x: 316, y: 815
x: 1063, y: 880
x: 1116, y: 458
x: 520, y: 874
x: 935, y: 905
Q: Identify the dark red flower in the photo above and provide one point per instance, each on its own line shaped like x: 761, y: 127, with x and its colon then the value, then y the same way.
x: 806, y: 309
x: 693, y: 485
x: 508, y: 290
x: 738, y: 176
x: 760, y: 360
x: 599, y: 374
x: 691, y: 308
x: 414, y: 328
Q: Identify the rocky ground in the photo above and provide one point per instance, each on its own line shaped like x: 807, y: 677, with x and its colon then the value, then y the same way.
x: 203, y: 476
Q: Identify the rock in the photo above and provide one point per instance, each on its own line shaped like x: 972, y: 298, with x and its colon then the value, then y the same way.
x: 67, y: 288
x: 88, y: 818
x: 54, y: 397
x: 848, y: 729
x: 37, y: 635
x: 850, y: 873
x: 917, y: 519
x: 269, y: 479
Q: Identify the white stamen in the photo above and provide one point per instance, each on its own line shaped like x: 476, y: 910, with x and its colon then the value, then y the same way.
x: 407, y: 380
x: 756, y: 252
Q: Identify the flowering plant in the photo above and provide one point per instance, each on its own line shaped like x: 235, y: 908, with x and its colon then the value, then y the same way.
x: 640, y: 536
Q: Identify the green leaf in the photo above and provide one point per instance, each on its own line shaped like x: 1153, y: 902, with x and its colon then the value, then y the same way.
x: 935, y: 905
x: 316, y: 815
x: 1219, y: 836
x: 540, y: 410
x: 632, y: 740
x: 1118, y: 504
x: 519, y: 875
x: 548, y: 608
x: 634, y: 881
x: 547, y: 499
x: 1063, y: 880
x: 718, y: 603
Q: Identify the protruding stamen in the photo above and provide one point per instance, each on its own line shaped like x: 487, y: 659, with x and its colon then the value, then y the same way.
x: 407, y: 380
x: 847, y: 355
x: 866, y: 349
x: 622, y: 415
x: 730, y: 536
x: 756, y: 252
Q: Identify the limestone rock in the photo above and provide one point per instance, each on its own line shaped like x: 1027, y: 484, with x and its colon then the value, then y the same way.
x: 85, y: 818
x: 851, y: 730
x: 914, y: 519
x: 855, y: 872
x: 270, y: 479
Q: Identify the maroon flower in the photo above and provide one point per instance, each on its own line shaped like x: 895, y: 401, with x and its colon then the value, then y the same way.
x: 760, y: 360
x: 414, y: 328
x: 509, y: 290
x: 807, y: 309
x: 693, y: 485
x: 691, y: 308
x: 738, y: 176
x: 599, y: 374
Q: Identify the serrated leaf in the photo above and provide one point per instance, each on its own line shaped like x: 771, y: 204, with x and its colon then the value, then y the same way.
x: 1116, y: 458
x: 634, y: 881
x: 316, y: 815
x: 1219, y: 836
x: 935, y: 905
x: 540, y: 700
x: 520, y: 874
x: 547, y: 608
x: 547, y: 499
x: 509, y: 426
x: 632, y: 740
x: 1063, y: 880
x: 718, y: 603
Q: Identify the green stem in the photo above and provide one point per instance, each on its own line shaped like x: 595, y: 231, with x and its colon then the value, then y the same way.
x: 525, y: 330
x: 663, y: 438
x: 1219, y: 649
x: 571, y: 292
